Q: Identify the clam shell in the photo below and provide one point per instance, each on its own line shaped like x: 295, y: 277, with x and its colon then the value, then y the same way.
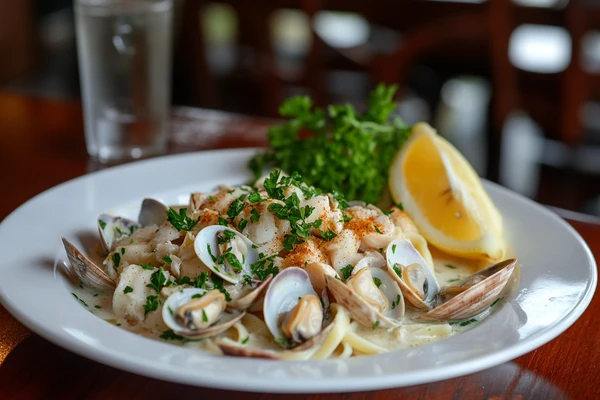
x: 152, y: 212
x: 88, y: 273
x: 476, y: 299
x: 363, y: 312
x: 404, y: 253
x: 282, y: 295
x: 207, y: 239
x: 178, y: 299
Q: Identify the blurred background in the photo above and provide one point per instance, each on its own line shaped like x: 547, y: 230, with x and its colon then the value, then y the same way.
x: 515, y: 85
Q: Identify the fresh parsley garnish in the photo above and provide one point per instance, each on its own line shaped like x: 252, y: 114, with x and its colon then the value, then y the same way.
x: 377, y: 281
x: 170, y: 335
x: 80, y: 300
x: 377, y: 229
x: 246, y: 340
x: 347, y: 271
x: 255, y: 198
x: 398, y: 271
x: 254, y: 215
x: 375, y: 325
x: 225, y: 236
x: 242, y: 224
x: 151, y: 304
x: 116, y: 258
x: 264, y: 266
x: 181, y: 221
x: 396, y: 302
x: 327, y: 236
x: 337, y: 148
x: 102, y: 224
x: 393, y: 249
x: 236, y: 206
x: 167, y: 259
x: 217, y: 282
x: 223, y: 221
x: 128, y: 289
x: 157, y: 280
x: 147, y: 266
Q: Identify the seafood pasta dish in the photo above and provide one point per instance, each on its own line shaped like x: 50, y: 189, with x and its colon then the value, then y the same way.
x: 281, y: 270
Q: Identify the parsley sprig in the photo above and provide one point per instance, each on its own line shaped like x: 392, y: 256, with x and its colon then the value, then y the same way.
x: 337, y: 148
x: 181, y: 221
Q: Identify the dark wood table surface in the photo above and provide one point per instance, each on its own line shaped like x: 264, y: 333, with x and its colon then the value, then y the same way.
x: 42, y: 145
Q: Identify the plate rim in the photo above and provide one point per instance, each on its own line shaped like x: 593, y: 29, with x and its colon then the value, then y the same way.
x: 107, y: 357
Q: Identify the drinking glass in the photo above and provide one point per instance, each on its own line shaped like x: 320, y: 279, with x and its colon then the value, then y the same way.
x: 124, y: 49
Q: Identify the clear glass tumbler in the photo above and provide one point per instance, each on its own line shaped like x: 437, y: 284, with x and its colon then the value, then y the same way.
x: 124, y: 49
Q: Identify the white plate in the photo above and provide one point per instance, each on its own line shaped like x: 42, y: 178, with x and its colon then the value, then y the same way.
x: 558, y: 279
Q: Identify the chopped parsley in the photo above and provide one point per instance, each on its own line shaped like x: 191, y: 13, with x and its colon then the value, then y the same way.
x: 223, y: 221
x: 396, y: 302
x: 264, y: 266
x: 450, y: 266
x: 346, y: 217
x: 397, y: 270
x: 210, y: 252
x: 254, y: 215
x: 80, y: 300
x: 151, y: 304
x: 400, y: 207
x: 393, y: 249
x: 218, y: 284
x: 377, y: 281
x: 242, y: 224
x: 122, y: 250
x: 464, y: 323
x: 200, y: 282
x: 246, y: 340
x: 247, y: 279
x: 375, y: 325
x: 236, y: 206
x: 377, y: 229
x: 97, y: 306
x: 347, y: 271
x: 128, y: 289
x: 147, y: 266
x: 102, y: 224
x: 180, y: 221
x: 157, y: 280
x: 225, y: 236
x: 327, y: 236
x: 284, y: 342
x: 204, y: 317
x: 116, y: 258
x: 170, y: 335
x: 167, y: 259
x: 255, y: 198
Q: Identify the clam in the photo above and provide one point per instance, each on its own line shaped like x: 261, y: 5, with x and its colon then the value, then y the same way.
x: 247, y: 300
x: 317, y: 272
x: 371, y: 296
x: 152, y: 212
x: 88, y: 273
x: 414, y: 275
x: 111, y: 229
x: 198, y: 313
x: 472, y: 295
x: 292, y: 309
x: 226, y: 252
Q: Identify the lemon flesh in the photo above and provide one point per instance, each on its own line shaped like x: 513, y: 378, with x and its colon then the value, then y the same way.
x: 443, y: 195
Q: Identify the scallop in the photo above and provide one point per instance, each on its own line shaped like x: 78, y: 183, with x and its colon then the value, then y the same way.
x: 414, y: 275
x: 226, y: 252
x: 198, y: 313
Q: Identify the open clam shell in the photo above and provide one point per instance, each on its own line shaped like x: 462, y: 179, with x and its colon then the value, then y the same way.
x: 473, y: 299
x: 179, y: 299
x: 401, y: 256
x: 206, y: 246
x: 364, y: 312
x: 283, y: 294
x: 88, y: 273
x: 152, y: 212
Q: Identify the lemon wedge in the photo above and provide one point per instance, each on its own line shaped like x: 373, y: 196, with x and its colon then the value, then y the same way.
x: 443, y: 195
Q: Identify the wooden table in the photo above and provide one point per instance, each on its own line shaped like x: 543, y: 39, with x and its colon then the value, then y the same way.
x: 41, y: 145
